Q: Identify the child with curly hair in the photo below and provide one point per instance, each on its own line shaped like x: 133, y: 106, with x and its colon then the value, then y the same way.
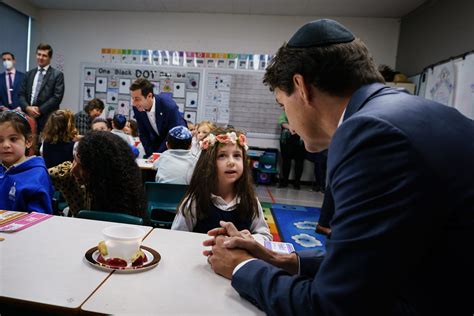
x: 106, y: 166
x: 24, y: 182
x: 59, y: 136
x: 221, y: 189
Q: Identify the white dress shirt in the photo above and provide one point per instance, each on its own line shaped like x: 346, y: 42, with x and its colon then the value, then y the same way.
x: 258, y: 228
x: 152, y: 117
x: 35, y: 82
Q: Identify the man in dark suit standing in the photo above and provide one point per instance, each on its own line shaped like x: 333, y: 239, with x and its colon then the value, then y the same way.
x: 403, y: 224
x: 155, y: 115
x: 43, y: 89
x: 10, y: 83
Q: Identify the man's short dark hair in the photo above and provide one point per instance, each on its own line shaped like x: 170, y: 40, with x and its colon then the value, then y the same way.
x: 44, y: 46
x: 8, y: 53
x: 94, y: 104
x: 174, y: 143
x: 145, y: 86
x: 335, y: 69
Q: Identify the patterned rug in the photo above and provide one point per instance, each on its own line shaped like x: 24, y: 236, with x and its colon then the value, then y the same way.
x: 294, y: 224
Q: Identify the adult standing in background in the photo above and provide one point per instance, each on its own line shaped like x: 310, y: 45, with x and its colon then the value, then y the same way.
x: 84, y: 118
x: 43, y: 89
x: 403, y: 224
x: 155, y: 115
x: 292, y: 148
x: 10, y: 83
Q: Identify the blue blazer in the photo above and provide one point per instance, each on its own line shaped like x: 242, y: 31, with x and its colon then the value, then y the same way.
x: 19, y: 77
x: 401, y: 171
x: 167, y: 116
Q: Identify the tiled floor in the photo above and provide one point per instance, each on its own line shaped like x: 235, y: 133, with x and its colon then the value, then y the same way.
x: 305, y: 196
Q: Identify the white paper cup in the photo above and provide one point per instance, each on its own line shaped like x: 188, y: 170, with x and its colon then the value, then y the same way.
x: 123, y: 241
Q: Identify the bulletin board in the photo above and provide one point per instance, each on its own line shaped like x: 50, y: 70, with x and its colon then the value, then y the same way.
x: 224, y: 96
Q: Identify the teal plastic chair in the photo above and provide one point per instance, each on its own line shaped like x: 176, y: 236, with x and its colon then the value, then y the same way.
x: 59, y: 203
x: 268, y: 162
x: 267, y: 166
x: 110, y: 217
x: 163, y: 199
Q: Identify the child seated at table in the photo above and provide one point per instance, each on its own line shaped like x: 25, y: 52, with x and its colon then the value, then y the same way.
x: 59, y: 136
x: 24, y: 182
x: 202, y: 130
x: 176, y: 165
x: 106, y: 166
x: 100, y: 124
x: 118, y: 124
x: 221, y: 188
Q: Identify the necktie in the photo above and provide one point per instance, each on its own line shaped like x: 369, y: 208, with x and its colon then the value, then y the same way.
x: 10, y: 88
x: 38, y: 85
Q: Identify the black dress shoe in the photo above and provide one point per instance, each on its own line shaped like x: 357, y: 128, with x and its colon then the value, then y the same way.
x: 296, y: 186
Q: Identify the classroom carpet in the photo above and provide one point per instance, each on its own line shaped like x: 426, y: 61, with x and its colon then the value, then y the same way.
x: 294, y: 224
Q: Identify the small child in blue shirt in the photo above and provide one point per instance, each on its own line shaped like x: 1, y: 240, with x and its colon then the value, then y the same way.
x: 24, y: 181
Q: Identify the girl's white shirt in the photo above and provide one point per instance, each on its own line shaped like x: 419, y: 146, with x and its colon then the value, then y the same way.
x: 259, y: 228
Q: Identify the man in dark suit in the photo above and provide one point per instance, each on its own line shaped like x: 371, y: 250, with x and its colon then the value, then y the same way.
x: 43, y: 89
x: 10, y: 82
x: 155, y: 115
x: 400, y: 170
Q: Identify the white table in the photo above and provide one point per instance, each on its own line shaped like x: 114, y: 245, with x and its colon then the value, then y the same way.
x: 144, y: 164
x: 182, y: 284
x: 44, y: 266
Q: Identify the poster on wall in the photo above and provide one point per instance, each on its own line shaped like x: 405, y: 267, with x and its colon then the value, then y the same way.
x: 101, y: 84
x: 124, y: 86
x: 123, y: 107
x: 112, y: 96
x: 190, y: 116
x: 191, y: 99
x: 178, y: 90
x: 89, y: 93
x: 440, y: 85
x: 89, y: 75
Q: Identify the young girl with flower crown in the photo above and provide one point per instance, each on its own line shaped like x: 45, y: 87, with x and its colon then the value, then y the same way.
x: 221, y: 189
x: 24, y: 182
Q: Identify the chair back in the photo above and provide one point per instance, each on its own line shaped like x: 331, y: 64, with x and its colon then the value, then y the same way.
x: 268, y: 162
x: 110, y: 217
x: 163, y: 199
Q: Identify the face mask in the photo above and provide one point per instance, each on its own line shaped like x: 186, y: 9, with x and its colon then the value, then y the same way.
x: 8, y: 64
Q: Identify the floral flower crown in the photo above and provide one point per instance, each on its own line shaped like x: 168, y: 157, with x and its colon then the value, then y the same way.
x: 228, y: 138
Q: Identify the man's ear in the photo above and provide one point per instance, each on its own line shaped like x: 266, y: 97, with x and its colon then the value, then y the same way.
x: 301, y: 87
x: 167, y: 146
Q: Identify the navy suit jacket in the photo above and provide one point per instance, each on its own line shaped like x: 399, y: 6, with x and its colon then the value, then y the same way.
x: 167, y: 116
x: 401, y: 171
x: 19, y: 77
x: 49, y: 97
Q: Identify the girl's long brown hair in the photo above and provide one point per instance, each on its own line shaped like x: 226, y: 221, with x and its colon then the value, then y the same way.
x: 60, y: 127
x: 204, y: 182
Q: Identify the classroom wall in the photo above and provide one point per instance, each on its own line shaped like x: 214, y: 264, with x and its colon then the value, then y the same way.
x: 78, y: 36
x: 436, y: 31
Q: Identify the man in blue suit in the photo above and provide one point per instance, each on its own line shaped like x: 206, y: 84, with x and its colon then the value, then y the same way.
x: 155, y: 115
x: 10, y: 82
x: 400, y: 170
